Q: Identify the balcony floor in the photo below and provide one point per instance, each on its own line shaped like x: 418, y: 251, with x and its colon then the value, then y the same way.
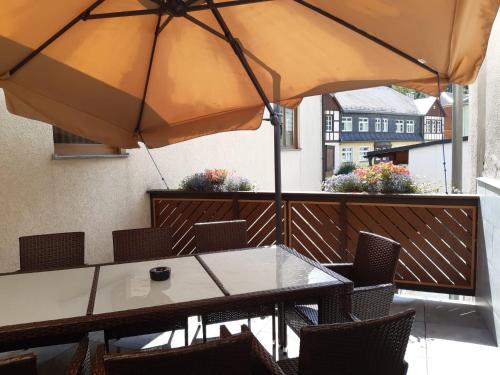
x: 447, y: 338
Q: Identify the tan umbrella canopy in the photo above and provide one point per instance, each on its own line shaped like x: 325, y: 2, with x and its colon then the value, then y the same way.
x: 119, y: 71
x: 90, y: 76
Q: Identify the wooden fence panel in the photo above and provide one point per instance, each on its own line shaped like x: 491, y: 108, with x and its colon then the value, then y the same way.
x: 437, y: 233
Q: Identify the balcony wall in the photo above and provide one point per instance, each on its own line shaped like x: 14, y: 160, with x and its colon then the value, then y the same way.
x: 437, y: 233
x: 488, y: 277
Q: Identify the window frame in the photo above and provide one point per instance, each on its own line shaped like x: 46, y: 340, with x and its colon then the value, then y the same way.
x: 281, y: 112
x: 345, y: 120
x: 402, y: 123
x: 378, y: 125
x: 329, y: 123
x: 385, y: 125
x: 363, y: 153
x: 71, y: 146
x: 365, y: 121
x: 346, y: 151
x: 412, y: 123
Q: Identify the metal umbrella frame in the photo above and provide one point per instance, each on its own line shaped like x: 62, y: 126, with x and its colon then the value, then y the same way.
x: 184, y: 8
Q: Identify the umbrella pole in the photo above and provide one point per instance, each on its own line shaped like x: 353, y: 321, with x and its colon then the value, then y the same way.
x: 277, y: 181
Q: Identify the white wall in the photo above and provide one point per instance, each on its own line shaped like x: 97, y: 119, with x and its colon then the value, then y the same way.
x: 426, y: 163
x: 488, y: 247
x: 97, y: 196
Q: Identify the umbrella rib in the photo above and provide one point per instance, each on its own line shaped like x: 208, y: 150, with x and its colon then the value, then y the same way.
x: 223, y: 4
x: 367, y: 35
x: 238, y: 50
x: 129, y: 13
x: 54, y: 37
x: 137, y: 129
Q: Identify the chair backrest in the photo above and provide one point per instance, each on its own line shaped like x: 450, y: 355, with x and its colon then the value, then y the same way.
x: 375, y: 261
x: 141, y: 244
x: 18, y: 365
x: 370, y: 347
x: 220, y: 235
x: 226, y: 356
x: 49, y: 251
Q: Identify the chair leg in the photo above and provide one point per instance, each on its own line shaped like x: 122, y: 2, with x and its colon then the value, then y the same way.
x: 186, y: 333
x: 106, y: 342
x: 273, y: 317
x: 204, y: 329
x: 249, y: 323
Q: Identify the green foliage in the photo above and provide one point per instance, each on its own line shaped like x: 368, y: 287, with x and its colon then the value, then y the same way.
x: 346, y: 168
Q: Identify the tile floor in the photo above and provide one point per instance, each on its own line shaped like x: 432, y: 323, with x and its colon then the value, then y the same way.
x: 448, y: 337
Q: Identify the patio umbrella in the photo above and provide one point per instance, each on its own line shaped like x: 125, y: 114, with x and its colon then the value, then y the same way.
x: 164, y: 71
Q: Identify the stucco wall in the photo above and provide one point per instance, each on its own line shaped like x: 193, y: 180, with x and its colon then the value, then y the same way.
x: 426, y: 163
x: 484, y: 117
x: 97, y: 196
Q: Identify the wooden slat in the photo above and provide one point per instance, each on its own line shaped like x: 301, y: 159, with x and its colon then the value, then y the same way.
x: 438, y: 234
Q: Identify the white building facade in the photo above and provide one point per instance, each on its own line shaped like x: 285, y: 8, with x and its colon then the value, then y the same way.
x: 99, y: 195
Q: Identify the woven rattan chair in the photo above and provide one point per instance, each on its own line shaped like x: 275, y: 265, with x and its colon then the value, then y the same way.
x: 220, y: 235
x: 229, y: 355
x: 373, y: 275
x: 49, y: 251
x: 141, y: 244
x: 371, y: 347
x: 137, y: 245
x: 26, y: 364
x: 226, y: 235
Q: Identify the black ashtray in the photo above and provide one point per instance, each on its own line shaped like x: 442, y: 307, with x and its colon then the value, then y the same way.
x: 159, y: 273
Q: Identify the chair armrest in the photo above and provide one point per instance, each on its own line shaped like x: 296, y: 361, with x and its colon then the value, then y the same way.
x: 374, y: 301
x: 98, y: 361
x: 263, y: 362
x: 224, y: 332
x: 75, y: 366
x: 344, y: 269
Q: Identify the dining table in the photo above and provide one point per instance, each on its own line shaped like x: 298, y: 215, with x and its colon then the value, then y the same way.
x: 60, y: 306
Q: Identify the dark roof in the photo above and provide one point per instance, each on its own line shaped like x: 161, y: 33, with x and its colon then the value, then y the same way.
x: 369, y: 136
x: 376, y: 100
x: 409, y: 147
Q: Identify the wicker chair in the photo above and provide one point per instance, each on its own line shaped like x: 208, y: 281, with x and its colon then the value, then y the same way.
x: 144, y: 244
x: 26, y: 364
x: 226, y: 235
x: 373, y: 275
x: 371, y: 347
x: 141, y: 244
x: 220, y: 235
x: 49, y: 251
x: 231, y: 354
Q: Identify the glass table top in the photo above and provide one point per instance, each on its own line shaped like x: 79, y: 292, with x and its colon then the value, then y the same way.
x: 41, y: 296
x: 260, y: 269
x: 128, y: 285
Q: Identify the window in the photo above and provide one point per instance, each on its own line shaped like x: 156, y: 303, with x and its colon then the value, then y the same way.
x: 288, y: 121
x: 385, y: 127
x: 434, y: 126
x: 378, y: 125
x: 363, y: 151
x: 329, y: 123
x: 346, y: 124
x: 410, y: 126
x: 70, y: 145
x: 363, y: 124
x: 400, y: 126
x: 439, y: 128
x: 346, y: 154
x: 427, y: 127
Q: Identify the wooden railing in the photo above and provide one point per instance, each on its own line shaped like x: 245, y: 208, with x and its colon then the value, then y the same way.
x: 437, y: 233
